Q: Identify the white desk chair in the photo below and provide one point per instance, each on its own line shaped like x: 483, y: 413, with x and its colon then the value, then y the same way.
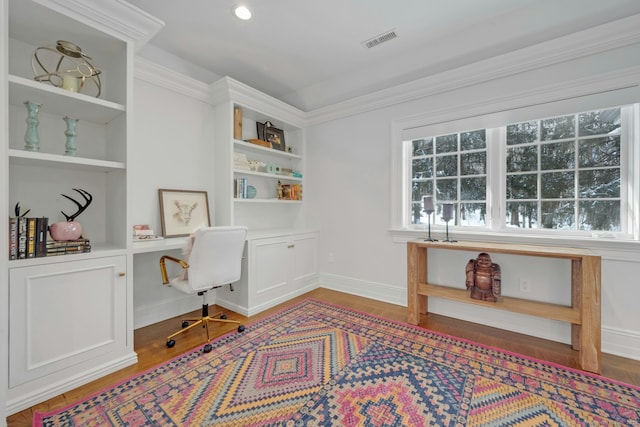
x: 215, y: 260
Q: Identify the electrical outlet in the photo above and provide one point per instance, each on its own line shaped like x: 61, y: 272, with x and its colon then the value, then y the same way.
x: 331, y: 258
x: 525, y: 285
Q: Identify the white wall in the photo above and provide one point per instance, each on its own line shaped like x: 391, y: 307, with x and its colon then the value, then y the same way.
x: 172, y: 148
x: 350, y: 193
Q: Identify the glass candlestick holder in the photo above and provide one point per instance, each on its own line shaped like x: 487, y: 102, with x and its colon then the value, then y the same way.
x: 447, y: 215
x: 427, y: 202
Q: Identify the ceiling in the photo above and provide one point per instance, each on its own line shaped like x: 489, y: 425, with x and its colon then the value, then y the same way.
x: 310, y: 53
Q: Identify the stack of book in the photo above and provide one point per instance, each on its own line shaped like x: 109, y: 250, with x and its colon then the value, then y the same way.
x: 27, y: 237
x: 66, y: 247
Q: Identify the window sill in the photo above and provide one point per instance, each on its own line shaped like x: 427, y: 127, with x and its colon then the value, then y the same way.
x: 608, y: 248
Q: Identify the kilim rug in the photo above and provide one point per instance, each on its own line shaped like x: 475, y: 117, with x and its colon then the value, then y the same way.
x: 316, y: 364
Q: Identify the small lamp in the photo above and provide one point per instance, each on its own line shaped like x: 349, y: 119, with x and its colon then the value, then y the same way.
x: 427, y: 201
x: 447, y: 215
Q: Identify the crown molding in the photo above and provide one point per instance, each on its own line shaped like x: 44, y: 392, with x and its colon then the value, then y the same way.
x: 620, y: 33
x: 116, y: 17
x: 227, y: 89
x: 172, y: 80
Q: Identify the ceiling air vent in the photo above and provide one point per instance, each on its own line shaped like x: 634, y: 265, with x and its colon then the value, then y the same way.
x: 379, y: 39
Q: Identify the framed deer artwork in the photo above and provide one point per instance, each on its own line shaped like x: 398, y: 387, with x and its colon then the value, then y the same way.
x: 183, y: 211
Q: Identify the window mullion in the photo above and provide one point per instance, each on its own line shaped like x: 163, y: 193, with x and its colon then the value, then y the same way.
x: 496, y: 171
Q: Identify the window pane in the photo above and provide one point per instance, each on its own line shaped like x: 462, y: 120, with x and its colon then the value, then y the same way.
x: 473, y: 188
x: 420, y: 189
x: 447, y: 165
x: 599, y: 152
x: 603, y: 122
x: 422, y: 147
x: 557, y: 185
x: 599, y: 183
x: 557, y: 128
x: 599, y: 215
x: 521, y: 159
x: 522, y: 186
x: 473, y: 214
x: 558, y: 215
x: 473, y: 163
x: 522, y: 133
x: 422, y: 168
x: 559, y: 155
x: 522, y: 214
x: 447, y: 189
x: 447, y: 143
x: 473, y: 140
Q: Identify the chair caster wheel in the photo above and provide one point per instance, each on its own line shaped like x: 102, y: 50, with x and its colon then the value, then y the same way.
x: 207, y: 348
x: 223, y: 316
x: 241, y: 328
x: 171, y: 343
x: 185, y: 324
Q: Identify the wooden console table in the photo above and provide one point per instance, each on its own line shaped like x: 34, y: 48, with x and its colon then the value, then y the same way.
x: 583, y: 314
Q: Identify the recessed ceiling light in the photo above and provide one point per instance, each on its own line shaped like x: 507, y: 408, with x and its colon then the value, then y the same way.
x: 242, y: 12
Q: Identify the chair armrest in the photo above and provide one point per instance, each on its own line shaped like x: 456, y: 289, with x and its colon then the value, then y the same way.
x: 163, y: 268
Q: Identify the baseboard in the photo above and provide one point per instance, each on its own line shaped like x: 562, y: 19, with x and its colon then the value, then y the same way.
x: 150, y: 314
x: 245, y: 311
x: 618, y: 342
x: 31, y: 398
x: 364, y: 288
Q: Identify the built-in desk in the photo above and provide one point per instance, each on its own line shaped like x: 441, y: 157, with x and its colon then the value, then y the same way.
x: 583, y: 314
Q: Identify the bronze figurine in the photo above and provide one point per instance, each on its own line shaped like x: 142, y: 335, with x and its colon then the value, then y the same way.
x: 483, y: 278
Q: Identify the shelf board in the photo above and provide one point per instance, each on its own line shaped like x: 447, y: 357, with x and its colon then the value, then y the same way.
x: 533, y: 308
x: 98, y: 250
x: 267, y: 175
x: 265, y: 201
x: 141, y: 247
x: 61, y: 102
x: 34, y: 158
x: 247, y: 146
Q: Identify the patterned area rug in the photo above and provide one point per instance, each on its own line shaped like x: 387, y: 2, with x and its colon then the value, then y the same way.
x: 316, y: 364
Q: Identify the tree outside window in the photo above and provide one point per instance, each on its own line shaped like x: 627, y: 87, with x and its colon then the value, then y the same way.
x: 560, y: 173
x: 564, y: 172
x: 452, y: 168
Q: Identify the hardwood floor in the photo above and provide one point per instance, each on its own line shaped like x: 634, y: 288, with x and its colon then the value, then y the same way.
x: 151, y: 349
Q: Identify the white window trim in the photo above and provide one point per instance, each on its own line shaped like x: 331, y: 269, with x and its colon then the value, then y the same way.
x: 602, y: 91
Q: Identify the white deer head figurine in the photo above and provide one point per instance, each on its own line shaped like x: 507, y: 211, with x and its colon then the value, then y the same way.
x: 183, y: 216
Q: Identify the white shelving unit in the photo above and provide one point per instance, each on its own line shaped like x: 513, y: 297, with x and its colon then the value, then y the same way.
x: 69, y: 316
x: 265, y: 210
x: 281, y: 251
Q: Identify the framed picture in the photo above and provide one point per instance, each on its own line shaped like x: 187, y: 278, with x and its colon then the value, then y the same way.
x: 275, y: 137
x: 260, y: 130
x: 183, y: 211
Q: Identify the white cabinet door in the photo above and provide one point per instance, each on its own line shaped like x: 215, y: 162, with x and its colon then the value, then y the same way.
x: 63, y: 316
x: 270, y: 275
x: 281, y: 268
x: 304, y: 264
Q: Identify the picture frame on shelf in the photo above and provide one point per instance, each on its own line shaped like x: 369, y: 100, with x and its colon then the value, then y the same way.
x: 260, y: 130
x: 183, y: 211
x: 276, y: 137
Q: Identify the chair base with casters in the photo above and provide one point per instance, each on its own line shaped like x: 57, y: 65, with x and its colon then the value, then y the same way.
x: 214, y: 260
x: 204, y: 321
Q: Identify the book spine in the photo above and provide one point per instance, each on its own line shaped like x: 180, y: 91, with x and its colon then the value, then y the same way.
x: 22, y: 237
x: 13, y: 238
x: 31, y: 237
x: 41, y: 236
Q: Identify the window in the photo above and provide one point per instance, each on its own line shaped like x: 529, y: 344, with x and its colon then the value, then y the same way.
x: 453, y: 168
x: 564, y: 173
